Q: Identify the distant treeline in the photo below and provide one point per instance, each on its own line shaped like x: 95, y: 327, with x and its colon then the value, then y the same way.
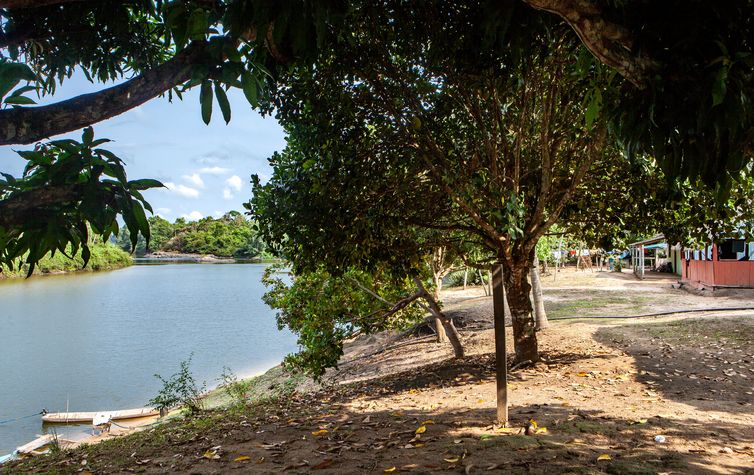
x: 231, y: 235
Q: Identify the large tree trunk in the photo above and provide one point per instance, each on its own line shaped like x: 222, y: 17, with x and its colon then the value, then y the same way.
x: 517, y: 289
x: 540, y: 316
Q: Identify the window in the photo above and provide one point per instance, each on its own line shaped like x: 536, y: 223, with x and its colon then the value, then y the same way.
x: 730, y: 248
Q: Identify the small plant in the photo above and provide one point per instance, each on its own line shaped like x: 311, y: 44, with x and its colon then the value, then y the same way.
x: 181, y: 389
x: 54, y: 444
x: 237, y: 390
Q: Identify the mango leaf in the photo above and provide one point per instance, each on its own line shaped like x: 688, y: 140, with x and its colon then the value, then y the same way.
x: 249, y: 86
x: 222, y: 100
x: 205, y: 99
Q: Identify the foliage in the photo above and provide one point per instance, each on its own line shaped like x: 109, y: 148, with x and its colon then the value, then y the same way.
x: 180, y: 389
x: 228, y: 236
x: 237, y: 390
x: 389, y: 141
x: 695, y: 116
x: 103, y: 257
x: 68, y: 188
x: 324, y: 310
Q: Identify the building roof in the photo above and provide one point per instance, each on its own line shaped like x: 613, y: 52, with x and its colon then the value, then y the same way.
x: 654, y: 239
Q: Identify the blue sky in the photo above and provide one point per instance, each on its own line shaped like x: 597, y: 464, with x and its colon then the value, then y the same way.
x: 206, y: 168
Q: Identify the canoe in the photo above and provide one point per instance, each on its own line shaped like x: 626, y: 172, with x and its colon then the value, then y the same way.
x: 35, y: 444
x: 65, y: 417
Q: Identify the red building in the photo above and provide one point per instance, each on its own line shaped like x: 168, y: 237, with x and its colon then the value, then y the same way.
x: 726, y: 264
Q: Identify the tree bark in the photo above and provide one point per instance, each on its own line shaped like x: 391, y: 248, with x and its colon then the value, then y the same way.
x: 540, y: 315
x: 445, y: 323
x: 23, y: 125
x: 442, y: 337
x: 609, y: 42
x: 517, y: 290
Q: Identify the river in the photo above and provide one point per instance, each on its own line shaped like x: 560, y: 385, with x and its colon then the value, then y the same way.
x: 93, y: 341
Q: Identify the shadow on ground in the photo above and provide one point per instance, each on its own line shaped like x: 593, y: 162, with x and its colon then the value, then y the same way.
x: 706, y: 363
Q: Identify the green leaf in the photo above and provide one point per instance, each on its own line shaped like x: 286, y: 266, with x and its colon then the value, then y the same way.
x: 249, y: 86
x: 205, y: 99
x: 720, y: 86
x: 88, y: 136
x: 145, y: 184
x: 222, y: 100
x: 19, y: 100
x: 197, y: 24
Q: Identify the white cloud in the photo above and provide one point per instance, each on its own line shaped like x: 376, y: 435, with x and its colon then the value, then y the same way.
x: 234, y: 182
x: 217, y: 214
x: 213, y: 171
x: 162, y: 212
x: 227, y: 194
x: 182, y: 190
x: 195, y: 179
x: 192, y: 216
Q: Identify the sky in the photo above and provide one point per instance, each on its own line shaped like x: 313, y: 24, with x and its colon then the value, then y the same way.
x: 206, y: 169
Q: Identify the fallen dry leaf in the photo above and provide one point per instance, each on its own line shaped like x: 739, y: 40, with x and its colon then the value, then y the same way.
x: 323, y: 464
x: 604, y: 457
x: 319, y: 432
x: 452, y: 459
x: 421, y: 429
x: 242, y: 458
x: 391, y: 469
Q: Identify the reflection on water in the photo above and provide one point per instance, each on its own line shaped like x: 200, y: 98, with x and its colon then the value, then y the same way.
x: 93, y: 342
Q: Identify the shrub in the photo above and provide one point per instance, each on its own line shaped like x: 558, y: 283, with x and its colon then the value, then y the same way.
x: 181, y: 389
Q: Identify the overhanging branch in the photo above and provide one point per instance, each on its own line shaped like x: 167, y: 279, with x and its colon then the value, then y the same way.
x: 23, y: 125
x: 611, y: 43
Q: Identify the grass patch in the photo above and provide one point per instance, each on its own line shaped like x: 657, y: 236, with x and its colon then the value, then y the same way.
x: 103, y: 257
x: 597, y: 305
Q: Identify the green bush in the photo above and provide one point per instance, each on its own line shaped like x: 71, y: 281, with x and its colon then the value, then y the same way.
x: 181, y: 389
x: 103, y: 257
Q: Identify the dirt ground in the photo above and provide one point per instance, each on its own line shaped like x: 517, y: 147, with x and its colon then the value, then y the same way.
x: 647, y: 395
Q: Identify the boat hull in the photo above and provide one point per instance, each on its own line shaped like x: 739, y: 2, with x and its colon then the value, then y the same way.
x: 82, y: 417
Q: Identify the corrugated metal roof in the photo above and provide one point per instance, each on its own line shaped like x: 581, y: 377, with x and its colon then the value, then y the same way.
x: 652, y: 240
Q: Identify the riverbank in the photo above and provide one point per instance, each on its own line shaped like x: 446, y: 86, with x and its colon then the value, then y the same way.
x: 103, y: 257
x: 649, y: 395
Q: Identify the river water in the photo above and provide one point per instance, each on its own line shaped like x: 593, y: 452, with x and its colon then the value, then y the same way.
x: 93, y: 341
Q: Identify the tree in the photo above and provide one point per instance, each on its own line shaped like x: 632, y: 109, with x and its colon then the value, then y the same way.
x: 502, y: 139
x: 686, y: 98
x: 324, y: 310
x: 68, y: 190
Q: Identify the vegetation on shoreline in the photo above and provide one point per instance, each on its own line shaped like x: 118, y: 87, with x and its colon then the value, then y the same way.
x: 231, y: 235
x: 103, y: 257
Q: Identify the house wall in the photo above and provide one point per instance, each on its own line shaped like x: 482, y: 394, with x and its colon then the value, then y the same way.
x: 718, y: 272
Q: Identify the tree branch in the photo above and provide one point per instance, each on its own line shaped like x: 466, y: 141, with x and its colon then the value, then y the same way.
x: 609, y: 42
x: 22, y: 4
x: 22, y: 208
x: 23, y: 125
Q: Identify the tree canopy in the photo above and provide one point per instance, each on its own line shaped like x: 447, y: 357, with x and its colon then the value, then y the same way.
x: 682, y: 93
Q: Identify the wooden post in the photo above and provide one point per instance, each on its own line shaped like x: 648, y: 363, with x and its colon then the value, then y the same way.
x: 498, y: 305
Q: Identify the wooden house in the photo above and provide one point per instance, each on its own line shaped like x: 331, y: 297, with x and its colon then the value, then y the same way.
x: 730, y: 263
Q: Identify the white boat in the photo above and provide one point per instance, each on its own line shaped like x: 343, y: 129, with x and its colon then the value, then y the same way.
x: 78, y: 417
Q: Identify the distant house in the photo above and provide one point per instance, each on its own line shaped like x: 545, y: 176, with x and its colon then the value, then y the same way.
x: 654, y: 253
x: 730, y: 263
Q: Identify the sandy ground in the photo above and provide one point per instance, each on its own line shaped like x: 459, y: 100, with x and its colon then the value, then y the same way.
x: 650, y: 395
